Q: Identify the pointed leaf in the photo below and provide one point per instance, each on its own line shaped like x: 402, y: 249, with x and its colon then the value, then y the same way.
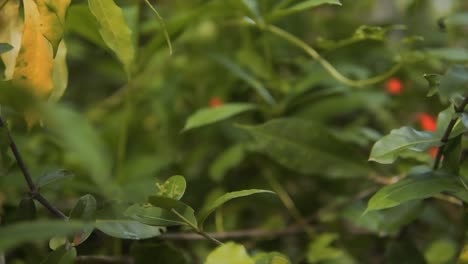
x: 174, y: 187
x: 114, y: 31
x: 34, y: 63
x: 174, y: 205
x: 53, y: 20
x: 53, y: 177
x: 417, y: 187
x: 153, y: 216
x: 453, y: 84
x: 206, y: 116
x: 209, y: 208
x: 306, y: 147
x: 388, y: 148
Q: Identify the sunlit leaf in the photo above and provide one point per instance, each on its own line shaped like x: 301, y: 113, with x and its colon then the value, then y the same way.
x: 174, y: 187
x: 60, y: 72
x: 52, y: 24
x: 208, y: 116
x: 229, y: 253
x: 114, y: 31
x: 209, y: 208
x: 271, y: 258
x: 11, y: 25
x: 34, y: 63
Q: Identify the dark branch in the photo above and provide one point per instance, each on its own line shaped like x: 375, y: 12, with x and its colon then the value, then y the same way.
x: 440, y: 151
x: 33, y: 190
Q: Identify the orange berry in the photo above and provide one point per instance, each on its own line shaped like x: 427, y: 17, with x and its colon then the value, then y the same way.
x: 427, y: 122
x: 394, y: 86
x: 215, y: 102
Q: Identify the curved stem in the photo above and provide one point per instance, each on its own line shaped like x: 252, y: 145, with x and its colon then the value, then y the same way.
x: 326, y: 64
x: 196, y: 229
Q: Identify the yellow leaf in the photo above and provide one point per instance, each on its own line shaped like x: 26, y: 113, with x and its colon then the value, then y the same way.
x: 11, y: 28
x: 53, y: 20
x: 60, y: 72
x: 35, y: 59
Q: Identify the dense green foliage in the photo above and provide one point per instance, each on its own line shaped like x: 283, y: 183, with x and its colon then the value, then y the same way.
x: 303, y: 129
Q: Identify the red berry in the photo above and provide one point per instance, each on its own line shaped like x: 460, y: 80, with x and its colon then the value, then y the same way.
x: 394, y: 86
x: 215, y: 102
x: 427, y: 122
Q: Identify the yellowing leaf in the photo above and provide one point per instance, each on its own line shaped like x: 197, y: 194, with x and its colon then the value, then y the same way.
x: 114, y: 30
x: 11, y: 28
x: 53, y: 20
x: 35, y: 59
x: 60, y: 72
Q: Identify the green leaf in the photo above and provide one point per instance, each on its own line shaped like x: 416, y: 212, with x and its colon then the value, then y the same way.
x: 247, y: 77
x: 13, y: 235
x: 153, y: 216
x: 307, y: 147
x: 441, y: 251
x: 450, y: 54
x: 453, y: 84
x: 5, y: 47
x: 412, y: 188
x: 82, y: 22
x: 84, y: 209
x: 174, y: 205
x: 111, y: 220
x: 26, y: 210
x: 252, y: 7
x: 174, y: 187
x: 81, y: 141
x: 61, y: 255
x: 206, y: 116
x: 271, y: 258
x: 433, y: 81
x: 114, y: 31
x: 209, y: 208
x: 229, y: 253
x: 127, y: 229
x: 53, y: 177
x: 388, y: 148
x: 452, y: 156
x: 302, y: 6
x: 321, y: 250
x: 227, y: 160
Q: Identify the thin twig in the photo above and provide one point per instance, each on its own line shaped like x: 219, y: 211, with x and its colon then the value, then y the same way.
x: 33, y: 190
x: 440, y: 151
x: 105, y: 259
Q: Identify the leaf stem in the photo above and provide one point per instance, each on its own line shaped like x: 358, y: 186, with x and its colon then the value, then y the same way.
x: 440, y: 151
x: 33, y: 190
x: 195, y: 228
x: 162, y: 23
x: 326, y: 64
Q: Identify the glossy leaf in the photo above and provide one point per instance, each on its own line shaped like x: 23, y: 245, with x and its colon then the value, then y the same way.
x: 52, y: 14
x: 34, y: 63
x: 15, y: 234
x: 412, y: 188
x: 229, y: 253
x: 307, y: 147
x: 114, y: 31
x: 52, y: 177
x: 388, y: 148
x: 153, y: 216
x: 127, y: 229
x: 61, y: 255
x: 174, y: 187
x: 208, y: 116
x: 302, y: 6
x: 209, y: 208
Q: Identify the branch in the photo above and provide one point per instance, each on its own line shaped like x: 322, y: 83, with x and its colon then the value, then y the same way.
x: 33, y: 190
x: 440, y: 151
